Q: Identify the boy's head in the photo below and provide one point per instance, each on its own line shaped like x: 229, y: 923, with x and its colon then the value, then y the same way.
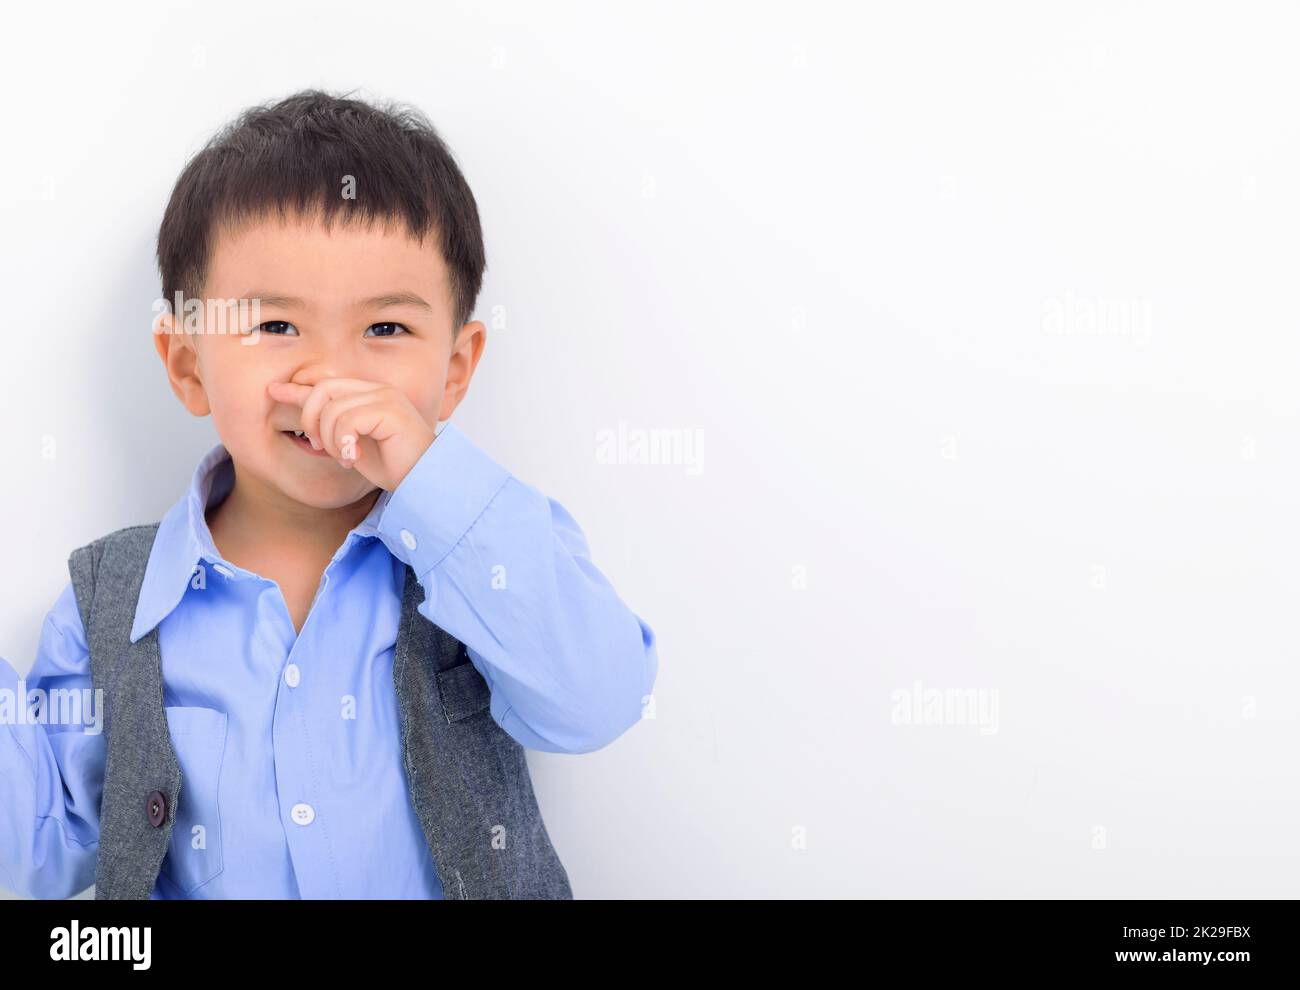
x: 356, y: 235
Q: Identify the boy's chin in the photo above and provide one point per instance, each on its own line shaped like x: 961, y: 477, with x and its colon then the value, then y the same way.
x: 321, y: 483
x: 326, y: 488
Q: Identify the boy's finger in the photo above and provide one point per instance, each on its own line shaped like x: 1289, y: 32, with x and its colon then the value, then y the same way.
x: 289, y: 392
x: 323, y: 392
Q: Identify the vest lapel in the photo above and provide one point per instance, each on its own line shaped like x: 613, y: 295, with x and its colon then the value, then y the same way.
x: 453, y: 815
x: 142, y: 778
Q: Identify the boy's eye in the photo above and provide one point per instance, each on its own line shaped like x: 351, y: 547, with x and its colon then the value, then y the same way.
x: 282, y: 328
x: 270, y: 327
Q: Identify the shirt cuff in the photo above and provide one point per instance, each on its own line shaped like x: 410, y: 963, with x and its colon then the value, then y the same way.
x: 438, y: 501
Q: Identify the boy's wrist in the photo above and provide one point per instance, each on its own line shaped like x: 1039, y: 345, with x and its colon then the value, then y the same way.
x: 440, y: 498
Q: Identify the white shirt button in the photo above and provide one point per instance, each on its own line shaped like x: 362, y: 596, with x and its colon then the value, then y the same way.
x: 303, y: 814
x: 408, y: 538
x: 292, y: 675
x: 223, y: 570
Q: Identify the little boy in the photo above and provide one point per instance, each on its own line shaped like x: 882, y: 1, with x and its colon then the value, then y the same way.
x: 317, y: 675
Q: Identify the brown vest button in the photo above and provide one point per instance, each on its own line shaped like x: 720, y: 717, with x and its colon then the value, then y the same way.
x: 156, y: 806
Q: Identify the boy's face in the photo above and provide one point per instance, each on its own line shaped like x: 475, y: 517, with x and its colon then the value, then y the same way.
x: 322, y: 315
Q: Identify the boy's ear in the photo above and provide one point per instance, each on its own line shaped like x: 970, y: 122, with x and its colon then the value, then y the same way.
x: 460, y: 369
x: 180, y: 359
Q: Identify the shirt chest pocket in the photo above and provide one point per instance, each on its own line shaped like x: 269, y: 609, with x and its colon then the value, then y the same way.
x: 194, y: 851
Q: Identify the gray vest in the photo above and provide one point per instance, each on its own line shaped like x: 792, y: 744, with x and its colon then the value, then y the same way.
x: 449, y: 739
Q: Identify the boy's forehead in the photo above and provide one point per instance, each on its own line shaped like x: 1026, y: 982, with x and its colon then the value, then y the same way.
x: 322, y: 263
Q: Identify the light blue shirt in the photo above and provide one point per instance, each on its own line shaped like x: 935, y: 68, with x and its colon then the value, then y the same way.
x: 293, y: 784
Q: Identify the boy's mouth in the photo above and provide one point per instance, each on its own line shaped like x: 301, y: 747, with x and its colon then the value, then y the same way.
x: 299, y: 440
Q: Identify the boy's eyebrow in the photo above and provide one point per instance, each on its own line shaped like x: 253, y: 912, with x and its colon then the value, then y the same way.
x: 396, y: 298
x: 400, y: 298
x: 271, y: 299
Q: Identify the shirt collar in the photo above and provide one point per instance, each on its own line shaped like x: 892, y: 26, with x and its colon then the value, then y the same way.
x: 183, y: 540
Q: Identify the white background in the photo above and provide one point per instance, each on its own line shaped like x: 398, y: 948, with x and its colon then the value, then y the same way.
x: 986, y: 315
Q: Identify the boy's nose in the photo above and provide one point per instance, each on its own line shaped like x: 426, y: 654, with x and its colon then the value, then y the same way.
x: 311, y: 374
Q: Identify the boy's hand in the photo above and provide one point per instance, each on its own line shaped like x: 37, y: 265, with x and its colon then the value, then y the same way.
x: 364, y: 425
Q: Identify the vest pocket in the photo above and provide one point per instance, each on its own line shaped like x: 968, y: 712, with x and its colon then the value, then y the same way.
x: 194, y: 851
x: 463, y: 690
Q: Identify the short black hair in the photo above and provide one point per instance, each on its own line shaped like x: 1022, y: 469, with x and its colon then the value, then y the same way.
x: 293, y: 155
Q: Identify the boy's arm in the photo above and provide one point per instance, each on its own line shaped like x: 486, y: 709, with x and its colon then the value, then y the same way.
x: 51, y: 775
x: 505, y: 570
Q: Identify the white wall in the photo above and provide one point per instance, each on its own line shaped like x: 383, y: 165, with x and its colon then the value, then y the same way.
x: 984, y: 313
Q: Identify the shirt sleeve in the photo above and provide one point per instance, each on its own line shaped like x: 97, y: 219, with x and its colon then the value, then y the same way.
x: 506, y: 570
x: 51, y: 765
